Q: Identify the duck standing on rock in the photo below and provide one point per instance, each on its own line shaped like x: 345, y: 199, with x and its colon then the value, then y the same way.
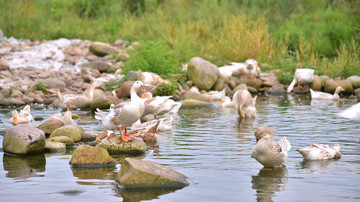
x: 126, y: 115
x: 317, y: 95
x: 23, y: 117
x: 301, y: 76
x: 267, y: 152
x: 76, y: 101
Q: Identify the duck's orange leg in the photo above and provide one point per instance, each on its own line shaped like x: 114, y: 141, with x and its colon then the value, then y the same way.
x: 298, y: 83
x: 125, y: 137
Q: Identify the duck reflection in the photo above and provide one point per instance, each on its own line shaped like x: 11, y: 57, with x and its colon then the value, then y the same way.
x: 142, y: 194
x: 269, y: 181
x: 23, y: 167
x: 318, y: 166
x: 245, y: 125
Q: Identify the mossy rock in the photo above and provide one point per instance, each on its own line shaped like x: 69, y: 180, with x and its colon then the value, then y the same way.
x: 50, y: 125
x: 53, y: 146
x: 330, y: 86
x: 255, y: 83
x: 24, y: 139
x: 355, y: 81
x: 68, y: 130
x: 317, y: 84
x: 137, y: 173
x: 195, y: 96
x: 62, y: 139
x: 88, y: 156
x: 87, y: 137
x: 117, y: 146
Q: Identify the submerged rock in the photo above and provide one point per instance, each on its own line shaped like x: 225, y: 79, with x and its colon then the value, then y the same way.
x: 88, y: 156
x: 194, y: 103
x: 24, y: 139
x: 115, y: 145
x: 139, y: 173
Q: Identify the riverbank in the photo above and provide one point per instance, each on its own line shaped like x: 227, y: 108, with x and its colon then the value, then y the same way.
x: 31, y: 71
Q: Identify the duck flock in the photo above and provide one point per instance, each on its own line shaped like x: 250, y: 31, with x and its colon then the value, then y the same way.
x: 144, y: 111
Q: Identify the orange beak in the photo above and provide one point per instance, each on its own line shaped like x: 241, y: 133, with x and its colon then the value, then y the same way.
x: 142, y: 88
x: 342, y: 89
x: 16, y: 120
x: 221, y: 101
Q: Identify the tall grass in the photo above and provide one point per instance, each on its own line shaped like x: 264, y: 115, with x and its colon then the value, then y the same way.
x: 316, y: 34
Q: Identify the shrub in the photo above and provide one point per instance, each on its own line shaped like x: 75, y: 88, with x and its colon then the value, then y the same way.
x: 154, y: 57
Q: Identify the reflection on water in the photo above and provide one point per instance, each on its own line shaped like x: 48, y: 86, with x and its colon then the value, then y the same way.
x: 93, y: 173
x: 319, y: 166
x: 142, y: 194
x: 23, y: 167
x: 269, y: 181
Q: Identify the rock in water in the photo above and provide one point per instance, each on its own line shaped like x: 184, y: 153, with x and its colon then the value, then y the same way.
x: 117, y: 146
x: 24, y: 139
x: 88, y: 156
x: 71, y: 131
x: 139, y: 173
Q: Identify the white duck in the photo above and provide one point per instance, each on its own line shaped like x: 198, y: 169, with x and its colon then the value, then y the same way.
x: 244, y: 103
x: 252, y: 69
x: 317, y: 95
x: 352, y: 112
x: 268, y: 152
x: 228, y: 70
x: 76, y: 101
x: 23, y: 117
x: 320, y: 152
x: 165, y: 124
x: 125, y: 116
x: 66, y: 117
x: 301, y: 76
x: 215, y: 95
x: 149, y: 78
x: 226, y: 102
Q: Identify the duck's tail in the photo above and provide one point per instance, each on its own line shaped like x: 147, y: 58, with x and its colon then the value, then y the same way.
x: 284, y: 144
x: 99, y: 114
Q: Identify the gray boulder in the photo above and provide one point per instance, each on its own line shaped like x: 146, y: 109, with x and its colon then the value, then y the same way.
x: 24, y: 139
x: 203, y: 73
x: 277, y: 90
x: 140, y: 173
x: 88, y: 156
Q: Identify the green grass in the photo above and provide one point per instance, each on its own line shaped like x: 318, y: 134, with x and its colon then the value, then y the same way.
x: 317, y: 34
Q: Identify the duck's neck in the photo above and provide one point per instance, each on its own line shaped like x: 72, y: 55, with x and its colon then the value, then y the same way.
x: 91, y: 91
x: 134, y: 95
x: 336, y: 93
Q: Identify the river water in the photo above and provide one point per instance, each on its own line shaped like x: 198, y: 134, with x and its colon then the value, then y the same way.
x: 211, y: 146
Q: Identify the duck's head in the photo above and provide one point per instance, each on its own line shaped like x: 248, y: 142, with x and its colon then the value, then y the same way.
x: 339, y: 89
x: 262, y: 132
x: 251, y: 64
x: 138, y: 85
